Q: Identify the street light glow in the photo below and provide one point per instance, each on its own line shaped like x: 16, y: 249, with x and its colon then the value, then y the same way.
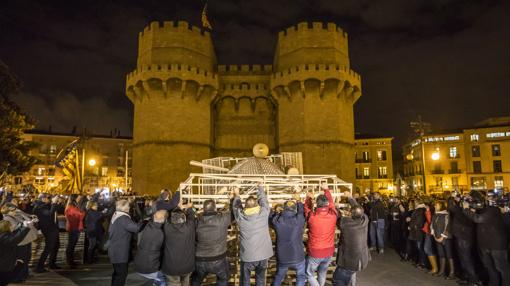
x: 92, y: 162
x: 435, y: 156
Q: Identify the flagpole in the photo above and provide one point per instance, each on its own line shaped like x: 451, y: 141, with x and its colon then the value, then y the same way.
x: 82, y: 166
x: 126, y: 171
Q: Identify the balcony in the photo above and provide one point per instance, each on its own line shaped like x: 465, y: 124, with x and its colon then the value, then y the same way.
x: 382, y: 177
x: 454, y: 171
x: 437, y: 172
x: 362, y: 160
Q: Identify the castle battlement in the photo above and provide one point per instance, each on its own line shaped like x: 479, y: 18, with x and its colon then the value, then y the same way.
x: 319, y: 69
x: 243, y: 86
x: 313, y: 27
x: 243, y: 69
x: 173, y: 27
x: 171, y: 68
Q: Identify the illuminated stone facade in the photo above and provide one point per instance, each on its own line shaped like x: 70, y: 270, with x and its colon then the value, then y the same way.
x: 187, y: 107
x: 473, y: 158
x: 374, y: 165
x: 111, y: 155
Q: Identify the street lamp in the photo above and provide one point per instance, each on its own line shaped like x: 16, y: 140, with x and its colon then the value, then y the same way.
x: 92, y: 162
x: 435, y: 155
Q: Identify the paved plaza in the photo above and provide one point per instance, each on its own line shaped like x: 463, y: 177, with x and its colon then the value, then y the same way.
x: 384, y: 270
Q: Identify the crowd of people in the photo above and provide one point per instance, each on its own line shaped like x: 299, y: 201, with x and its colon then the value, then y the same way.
x: 461, y: 237
x: 170, y: 243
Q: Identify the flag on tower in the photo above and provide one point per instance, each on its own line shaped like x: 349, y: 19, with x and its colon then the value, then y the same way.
x: 205, y: 21
x: 68, y: 161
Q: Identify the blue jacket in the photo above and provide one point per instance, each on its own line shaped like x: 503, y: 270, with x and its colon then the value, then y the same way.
x: 289, y: 227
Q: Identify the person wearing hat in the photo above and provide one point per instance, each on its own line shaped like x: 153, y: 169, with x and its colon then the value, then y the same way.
x: 321, y: 235
x: 353, y: 254
x: 289, y: 227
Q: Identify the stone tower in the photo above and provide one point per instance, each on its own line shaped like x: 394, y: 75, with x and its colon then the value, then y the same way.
x: 189, y: 108
x: 316, y: 90
x: 171, y: 90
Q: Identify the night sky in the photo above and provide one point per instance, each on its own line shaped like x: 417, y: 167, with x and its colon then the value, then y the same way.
x: 448, y: 60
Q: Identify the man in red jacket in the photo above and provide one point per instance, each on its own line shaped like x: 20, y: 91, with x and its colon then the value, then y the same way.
x: 321, y: 235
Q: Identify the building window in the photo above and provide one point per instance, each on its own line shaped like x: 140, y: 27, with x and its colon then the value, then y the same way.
x: 120, y: 172
x: 453, y: 152
x: 455, y: 181
x: 475, y: 137
x: 497, y: 166
x: 383, y: 172
x: 477, y: 167
x: 366, y: 172
x: 454, y: 167
x: 498, y: 182
x: 381, y: 155
x: 475, y: 151
x: 366, y: 156
x: 53, y: 149
x: 51, y: 171
x: 478, y: 183
x: 496, y: 150
x: 40, y: 171
x: 18, y: 180
x: 104, y: 171
x: 39, y: 181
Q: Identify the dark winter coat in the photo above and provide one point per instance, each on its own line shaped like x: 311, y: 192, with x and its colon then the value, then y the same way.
x: 462, y: 227
x: 8, y: 243
x: 440, y: 225
x: 211, y: 235
x: 353, y: 251
x: 179, y: 247
x: 289, y: 228
x: 490, y: 228
x: 150, y: 245
x: 416, y: 224
x: 377, y: 210
x: 46, y: 215
x: 94, y: 223
x: 119, y: 237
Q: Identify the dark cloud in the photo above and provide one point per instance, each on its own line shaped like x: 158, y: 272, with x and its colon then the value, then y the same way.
x: 444, y: 59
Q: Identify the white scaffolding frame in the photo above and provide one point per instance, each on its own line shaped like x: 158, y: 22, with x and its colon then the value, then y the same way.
x: 202, y: 186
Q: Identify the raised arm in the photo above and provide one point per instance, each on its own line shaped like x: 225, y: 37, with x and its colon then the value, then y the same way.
x: 237, y: 205
x: 484, y: 217
x: 308, y: 206
x: 263, y: 202
x: 132, y: 226
x: 172, y: 204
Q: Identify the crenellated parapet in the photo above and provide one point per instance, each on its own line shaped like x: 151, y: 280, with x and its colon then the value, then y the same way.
x: 244, y: 69
x: 313, y: 43
x: 162, y: 79
x: 347, y: 82
x: 176, y: 43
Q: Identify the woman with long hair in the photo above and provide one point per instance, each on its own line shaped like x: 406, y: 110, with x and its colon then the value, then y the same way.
x: 441, y: 231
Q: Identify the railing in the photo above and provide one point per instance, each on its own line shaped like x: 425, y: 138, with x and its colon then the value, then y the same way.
x: 456, y: 171
x: 436, y: 172
x: 369, y: 160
